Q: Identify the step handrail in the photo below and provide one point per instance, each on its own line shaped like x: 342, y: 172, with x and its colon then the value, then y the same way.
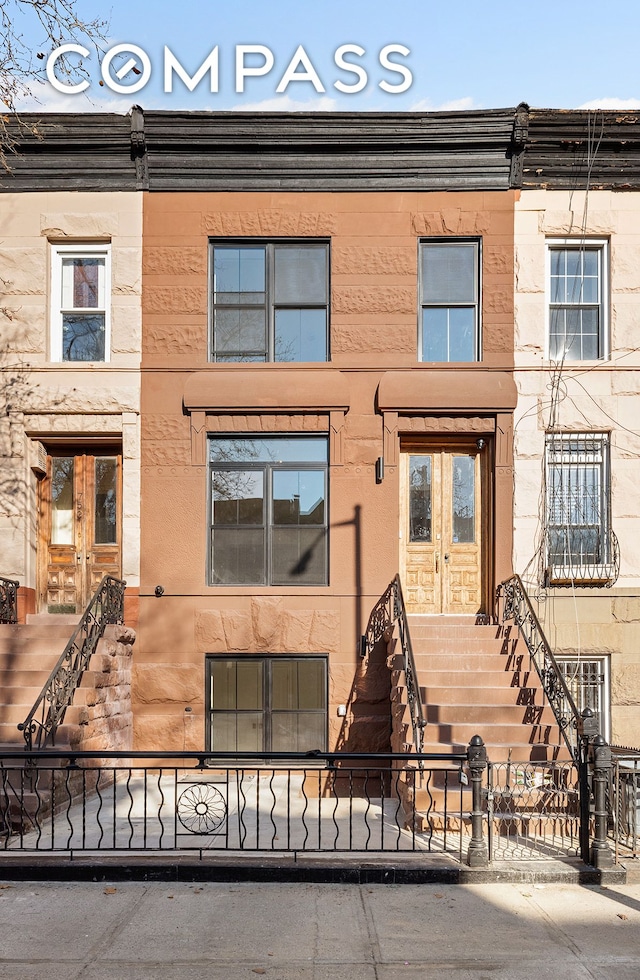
x: 105, y: 607
x: 389, y: 610
x: 8, y: 600
x: 517, y: 607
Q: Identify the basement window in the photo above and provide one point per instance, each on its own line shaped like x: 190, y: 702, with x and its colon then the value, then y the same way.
x: 271, y: 703
x: 588, y: 681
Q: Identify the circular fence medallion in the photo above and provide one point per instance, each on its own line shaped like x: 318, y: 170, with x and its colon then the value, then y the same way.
x: 201, y: 808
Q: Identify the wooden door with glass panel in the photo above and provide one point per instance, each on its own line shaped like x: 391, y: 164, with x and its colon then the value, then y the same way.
x: 441, y: 530
x: 80, y: 528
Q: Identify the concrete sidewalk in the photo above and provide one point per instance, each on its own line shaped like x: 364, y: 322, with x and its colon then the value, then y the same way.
x: 180, y: 931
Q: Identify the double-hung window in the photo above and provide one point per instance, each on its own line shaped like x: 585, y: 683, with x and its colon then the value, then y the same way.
x: 580, y: 544
x: 577, y: 301
x: 80, y: 307
x: 270, y: 301
x: 449, y: 300
x: 268, y: 510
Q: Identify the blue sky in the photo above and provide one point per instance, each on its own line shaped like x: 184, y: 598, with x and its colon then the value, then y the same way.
x: 467, y: 54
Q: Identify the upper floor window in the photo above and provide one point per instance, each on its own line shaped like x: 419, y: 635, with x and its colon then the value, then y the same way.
x: 577, y: 301
x: 268, y: 510
x: 270, y: 301
x: 450, y: 300
x: 80, y: 290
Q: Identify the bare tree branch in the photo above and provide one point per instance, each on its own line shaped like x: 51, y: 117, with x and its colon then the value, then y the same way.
x: 29, y: 31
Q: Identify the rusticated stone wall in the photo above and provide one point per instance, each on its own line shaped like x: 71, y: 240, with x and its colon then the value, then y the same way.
x: 101, y: 716
x: 42, y: 400
x: 583, y: 396
x: 374, y: 247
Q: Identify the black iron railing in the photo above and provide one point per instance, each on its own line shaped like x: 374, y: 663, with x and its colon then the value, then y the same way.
x: 454, y: 803
x: 247, y: 802
x: 388, y: 611
x: 534, y: 810
x: 8, y: 600
x: 517, y: 607
x: 41, y: 724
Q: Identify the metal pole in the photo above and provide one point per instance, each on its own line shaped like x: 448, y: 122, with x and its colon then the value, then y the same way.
x: 601, y: 856
x: 477, y: 853
x: 587, y: 731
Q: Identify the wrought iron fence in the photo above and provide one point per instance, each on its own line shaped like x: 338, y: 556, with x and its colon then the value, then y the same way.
x: 516, y: 606
x: 625, y: 802
x: 106, y: 606
x: 533, y: 810
x: 8, y: 600
x: 388, y: 611
x: 455, y: 805
x: 244, y: 803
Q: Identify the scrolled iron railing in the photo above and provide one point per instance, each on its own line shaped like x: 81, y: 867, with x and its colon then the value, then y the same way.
x: 106, y: 607
x: 204, y: 802
x: 389, y: 610
x: 517, y: 607
x: 8, y: 600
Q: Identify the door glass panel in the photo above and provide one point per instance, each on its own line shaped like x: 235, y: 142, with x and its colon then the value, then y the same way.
x: 463, y: 499
x: 420, y: 492
x: 106, y: 475
x: 62, y: 500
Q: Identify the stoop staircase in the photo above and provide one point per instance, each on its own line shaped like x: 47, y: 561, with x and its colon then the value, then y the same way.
x: 69, y: 678
x: 27, y: 655
x: 455, y: 677
x: 476, y: 678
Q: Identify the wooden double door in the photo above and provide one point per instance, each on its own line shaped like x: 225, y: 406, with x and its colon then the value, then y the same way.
x: 80, y: 527
x: 443, y: 529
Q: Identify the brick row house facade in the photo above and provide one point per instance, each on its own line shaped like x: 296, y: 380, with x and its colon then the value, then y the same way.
x: 258, y: 365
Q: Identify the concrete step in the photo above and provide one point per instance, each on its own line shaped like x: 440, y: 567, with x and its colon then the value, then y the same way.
x: 11, y: 714
x: 448, y: 621
x: 10, y: 679
x: 490, y: 662
x: 497, y: 713
x: 53, y: 619
x: 481, y: 693
x: 493, y: 674
x: 33, y: 641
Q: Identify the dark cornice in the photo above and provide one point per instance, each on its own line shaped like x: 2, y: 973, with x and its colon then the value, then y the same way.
x: 338, y: 151
x: 579, y: 148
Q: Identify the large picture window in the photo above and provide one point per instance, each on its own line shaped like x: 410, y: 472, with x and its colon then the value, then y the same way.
x: 267, y: 704
x: 268, y: 510
x: 450, y: 300
x: 80, y: 289
x: 270, y: 301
